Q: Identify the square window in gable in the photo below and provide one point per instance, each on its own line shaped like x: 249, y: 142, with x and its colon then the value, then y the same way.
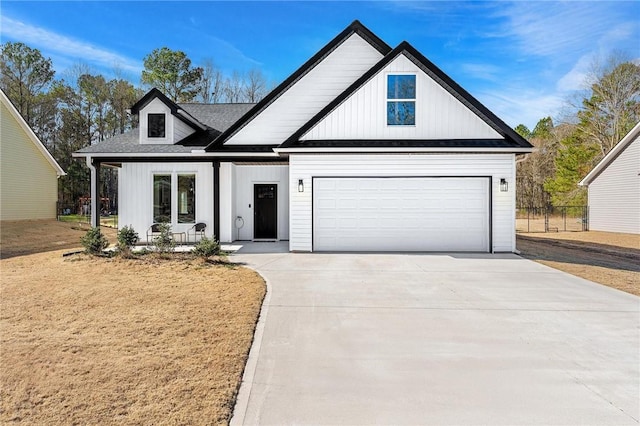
x: 156, y: 125
x: 401, y: 104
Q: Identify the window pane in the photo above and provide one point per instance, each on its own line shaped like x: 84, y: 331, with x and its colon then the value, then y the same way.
x: 162, y: 198
x: 155, y: 126
x: 401, y: 87
x: 186, y: 198
x: 401, y: 113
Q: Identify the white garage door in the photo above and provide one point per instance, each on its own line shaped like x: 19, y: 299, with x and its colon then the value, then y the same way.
x: 401, y: 214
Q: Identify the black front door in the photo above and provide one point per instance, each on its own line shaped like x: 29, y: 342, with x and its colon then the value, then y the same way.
x: 265, y: 211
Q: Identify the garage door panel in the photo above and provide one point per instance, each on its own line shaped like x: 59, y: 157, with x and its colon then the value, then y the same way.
x: 401, y: 214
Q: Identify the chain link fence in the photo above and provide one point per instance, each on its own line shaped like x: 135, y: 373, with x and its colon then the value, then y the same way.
x: 552, y: 219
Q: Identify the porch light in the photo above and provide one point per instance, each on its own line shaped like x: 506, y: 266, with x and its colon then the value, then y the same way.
x: 300, y: 185
x: 504, y: 185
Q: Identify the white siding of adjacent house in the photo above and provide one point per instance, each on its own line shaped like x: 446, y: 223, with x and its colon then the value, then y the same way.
x: 614, y: 195
x: 310, y: 94
x: 175, y: 129
x: 496, y: 166
x: 135, y: 192
x: 439, y: 115
x: 28, y: 181
x: 245, y: 177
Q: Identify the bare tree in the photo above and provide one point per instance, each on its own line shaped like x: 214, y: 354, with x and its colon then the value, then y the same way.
x: 255, y: 87
x: 211, y: 83
x: 234, y: 88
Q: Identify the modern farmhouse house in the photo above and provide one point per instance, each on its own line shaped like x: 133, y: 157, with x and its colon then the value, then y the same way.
x: 363, y: 148
x: 614, y: 188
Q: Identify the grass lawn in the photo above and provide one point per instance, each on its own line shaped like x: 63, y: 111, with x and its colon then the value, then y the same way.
x: 95, y: 340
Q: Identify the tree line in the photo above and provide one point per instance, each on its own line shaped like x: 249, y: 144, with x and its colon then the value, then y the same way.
x: 566, y: 151
x: 83, y: 107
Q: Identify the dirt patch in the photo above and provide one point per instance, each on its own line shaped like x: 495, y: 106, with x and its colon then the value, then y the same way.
x: 612, y: 239
x: 100, y: 341
x: 606, y: 258
x: 22, y: 237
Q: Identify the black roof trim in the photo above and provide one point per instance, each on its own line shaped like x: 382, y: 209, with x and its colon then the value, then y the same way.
x: 355, y: 27
x: 406, y: 143
x: 182, y: 159
x: 174, y: 107
x: 436, y: 74
x: 245, y: 148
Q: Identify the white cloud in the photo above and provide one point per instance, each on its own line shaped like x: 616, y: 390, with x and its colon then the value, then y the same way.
x: 517, y: 105
x: 576, y: 78
x: 481, y: 71
x: 66, y: 47
x: 551, y: 29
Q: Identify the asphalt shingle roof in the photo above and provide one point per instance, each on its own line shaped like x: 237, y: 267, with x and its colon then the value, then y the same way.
x: 218, y: 117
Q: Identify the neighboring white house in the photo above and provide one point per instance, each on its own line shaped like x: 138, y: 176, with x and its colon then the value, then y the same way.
x: 28, y: 173
x: 614, y: 188
x: 363, y: 148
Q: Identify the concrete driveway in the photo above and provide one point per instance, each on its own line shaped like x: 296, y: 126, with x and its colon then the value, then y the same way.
x: 437, y: 339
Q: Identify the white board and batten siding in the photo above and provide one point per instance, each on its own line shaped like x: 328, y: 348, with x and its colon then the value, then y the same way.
x: 491, y: 167
x: 344, y: 65
x: 439, y: 115
x: 136, y: 194
x: 237, y: 198
x: 175, y: 129
x: 614, y: 195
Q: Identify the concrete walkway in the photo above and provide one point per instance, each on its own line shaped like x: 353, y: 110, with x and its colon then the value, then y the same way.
x: 437, y: 339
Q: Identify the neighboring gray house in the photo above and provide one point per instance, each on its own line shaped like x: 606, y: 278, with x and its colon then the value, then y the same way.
x: 363, y: 148
x: 614, y: 188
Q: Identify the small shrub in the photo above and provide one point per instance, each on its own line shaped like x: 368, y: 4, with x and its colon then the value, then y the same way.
x: 94, y: 241
x: 164, y: 242
x: 207, y: 247
x: 127, y: 238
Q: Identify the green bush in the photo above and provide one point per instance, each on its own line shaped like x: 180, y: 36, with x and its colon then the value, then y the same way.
x: 207, y: 247
x: 127, y: 238
x: 94, y: 241
x: 164, y: 242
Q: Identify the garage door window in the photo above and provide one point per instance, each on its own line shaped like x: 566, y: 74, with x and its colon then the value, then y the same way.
x: 401, y: 100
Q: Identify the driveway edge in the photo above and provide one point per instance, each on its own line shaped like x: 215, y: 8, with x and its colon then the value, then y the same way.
x: 242, y: 400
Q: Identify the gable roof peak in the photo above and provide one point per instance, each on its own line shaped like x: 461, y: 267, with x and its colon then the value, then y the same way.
x: 356, y: 27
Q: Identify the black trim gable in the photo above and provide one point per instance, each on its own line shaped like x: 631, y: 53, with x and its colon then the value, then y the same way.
x: 173, y: 107
x: 405, y: 143
x: 512, y: 138
x: 355, y: 27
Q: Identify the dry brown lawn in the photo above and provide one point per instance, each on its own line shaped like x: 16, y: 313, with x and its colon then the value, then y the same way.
x: 22, y: 237
x: 103, y: 341
x: 608, y: 258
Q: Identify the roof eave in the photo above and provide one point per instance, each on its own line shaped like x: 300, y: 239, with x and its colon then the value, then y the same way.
x: 611, y: 155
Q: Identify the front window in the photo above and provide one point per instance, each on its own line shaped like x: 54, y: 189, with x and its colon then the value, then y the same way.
x: 156, y: 126
x: 401, y: 103
x: 162, y: 198
x: 186, y: 198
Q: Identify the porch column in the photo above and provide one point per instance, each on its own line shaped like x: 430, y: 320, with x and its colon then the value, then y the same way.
x: 216, y: 200
x: 94, y: 167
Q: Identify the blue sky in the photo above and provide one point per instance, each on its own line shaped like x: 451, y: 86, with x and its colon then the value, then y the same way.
x: 523, y: 60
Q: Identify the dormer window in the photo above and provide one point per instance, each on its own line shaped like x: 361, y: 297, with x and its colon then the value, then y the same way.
x: 401, y: 100
x: 156, y: 125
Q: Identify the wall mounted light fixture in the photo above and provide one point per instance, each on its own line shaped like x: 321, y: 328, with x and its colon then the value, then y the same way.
x: 300, y: 185
x: 504, y: 185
